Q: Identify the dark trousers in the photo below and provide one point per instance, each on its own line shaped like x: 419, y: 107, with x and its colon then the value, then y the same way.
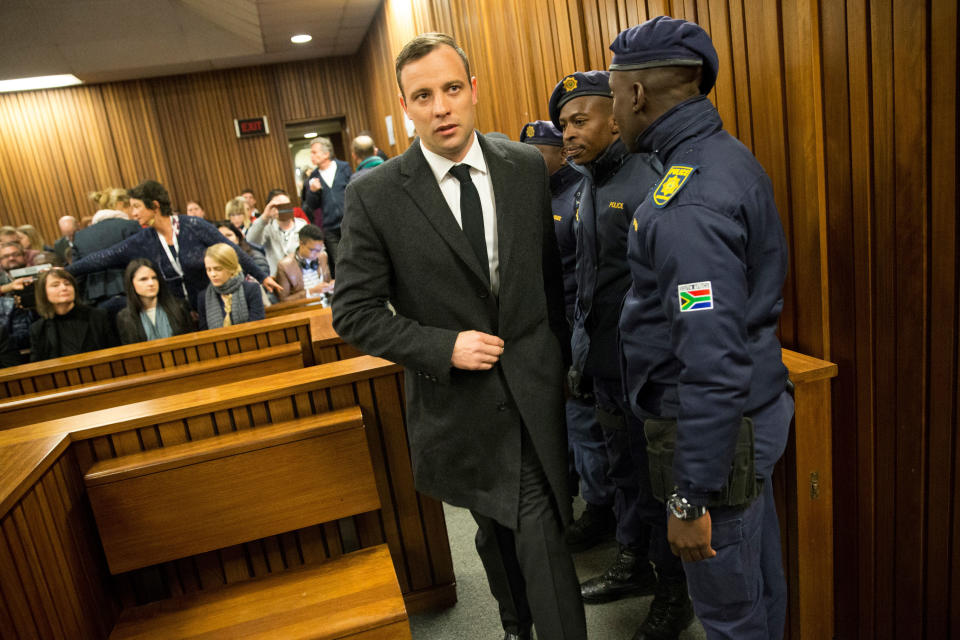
x: 589, y: 453
x: 641, y: 518
x: 741, y: 592
x: 331, y: 243
x: 529, y: 569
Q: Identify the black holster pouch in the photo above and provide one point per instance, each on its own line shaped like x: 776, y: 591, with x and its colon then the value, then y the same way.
x: 742, y: 484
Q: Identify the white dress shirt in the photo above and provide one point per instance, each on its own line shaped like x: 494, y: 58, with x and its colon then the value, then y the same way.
x: 450, y: 187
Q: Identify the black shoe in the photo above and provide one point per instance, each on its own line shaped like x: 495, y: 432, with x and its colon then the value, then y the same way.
x: 630, y: 575
x: 595, y: 525
x: 670, y: 612
x: 517, y: 636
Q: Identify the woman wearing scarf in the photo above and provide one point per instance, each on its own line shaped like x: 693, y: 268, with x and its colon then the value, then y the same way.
x: 152, y: 312
x: 229, y: 299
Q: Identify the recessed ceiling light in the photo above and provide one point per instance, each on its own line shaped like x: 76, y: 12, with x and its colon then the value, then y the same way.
x: 301, y: 38
x: 39, y: 82
x: 312, y: 134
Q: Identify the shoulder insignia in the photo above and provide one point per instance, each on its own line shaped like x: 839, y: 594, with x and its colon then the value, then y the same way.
x: 636, y: 227
x: 530, y: 131
x: 696, y: 296
x: 670, y: 184
x: 569, y: 83
x: 558, y: 218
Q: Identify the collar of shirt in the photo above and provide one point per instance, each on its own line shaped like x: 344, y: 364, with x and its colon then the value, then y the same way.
x: 441, y: 166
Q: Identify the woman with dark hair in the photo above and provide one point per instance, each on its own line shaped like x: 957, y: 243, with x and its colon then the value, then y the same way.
x: 151, y: 312
x: 176, y: 244
x: 65, y: 327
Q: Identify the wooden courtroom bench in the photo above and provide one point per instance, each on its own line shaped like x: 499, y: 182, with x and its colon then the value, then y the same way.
x: 158, y: 505
x: 54, y: 580
x: 91, y: 396
x: 107, y: 364
x: 295, y: 306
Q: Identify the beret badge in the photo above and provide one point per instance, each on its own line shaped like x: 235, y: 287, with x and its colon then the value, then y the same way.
x: 530, y: 131
x: 569, y: 83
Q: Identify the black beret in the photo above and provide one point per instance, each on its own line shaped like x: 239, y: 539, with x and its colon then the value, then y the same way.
x: 666, y: 42
x: 581, y: 83
x: 541, y: 132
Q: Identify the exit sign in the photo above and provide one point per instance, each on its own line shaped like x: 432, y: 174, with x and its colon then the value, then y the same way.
x: 251, y: 127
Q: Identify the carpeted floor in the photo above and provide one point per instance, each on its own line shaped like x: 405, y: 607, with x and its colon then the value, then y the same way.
x: 475, y: 615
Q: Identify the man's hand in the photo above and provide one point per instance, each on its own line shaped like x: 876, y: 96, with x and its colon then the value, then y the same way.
x: 321, y: 287
x: 690, y: 539
x: 271, y: 285
x: 16, y: 285
x: 315, y: 184
x: 270, y: 210
x: 476, y: 351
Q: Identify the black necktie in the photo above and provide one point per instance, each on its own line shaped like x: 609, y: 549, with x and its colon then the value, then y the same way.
x: 471, y: 215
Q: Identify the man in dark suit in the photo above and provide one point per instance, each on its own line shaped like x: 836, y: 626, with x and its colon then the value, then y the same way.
x: 449, y: 266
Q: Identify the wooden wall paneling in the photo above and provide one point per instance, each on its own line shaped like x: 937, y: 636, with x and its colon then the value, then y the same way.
x: 763, y: 26
x: 134, y: 129
x: 942, y: 284
x: 883, y: 605
x: 911, y: 104
x: 942, y: 615
x: 803, y: 109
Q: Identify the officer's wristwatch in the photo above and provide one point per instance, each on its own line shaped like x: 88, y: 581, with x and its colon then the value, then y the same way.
x: 683, y: 510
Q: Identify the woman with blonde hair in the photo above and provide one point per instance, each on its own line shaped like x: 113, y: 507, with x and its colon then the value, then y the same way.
x: 238, y: 214
x: 229, y: 299
x: 33, y: 246
x: 113, y: 198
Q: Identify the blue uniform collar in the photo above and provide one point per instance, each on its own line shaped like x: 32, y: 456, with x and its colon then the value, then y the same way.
x: 607, y: 165
x: 690, y: 118
x: 562, y: 178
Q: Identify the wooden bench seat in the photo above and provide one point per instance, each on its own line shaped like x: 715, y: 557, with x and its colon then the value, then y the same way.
x: 82, y: 398
x: 294, y: 306
x: 158, y: 505
x: 355, y: 597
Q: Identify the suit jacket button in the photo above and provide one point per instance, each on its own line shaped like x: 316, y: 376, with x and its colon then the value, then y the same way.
x: 482, y: 294
x: 502, y: 406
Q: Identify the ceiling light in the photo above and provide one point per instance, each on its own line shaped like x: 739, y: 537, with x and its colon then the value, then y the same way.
x: 312, y: 134
x: 301, y: 38
x: 39, y: 82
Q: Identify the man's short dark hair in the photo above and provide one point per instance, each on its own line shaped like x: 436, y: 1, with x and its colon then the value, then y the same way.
x: 248, y: 190
x: 424, y: 44
x: 310, y: 233
x: 4, y: 245
x: 276, y: 192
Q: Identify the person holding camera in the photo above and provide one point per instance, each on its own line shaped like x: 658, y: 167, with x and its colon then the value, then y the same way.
x: 16, y: 296
x: 277, y: 229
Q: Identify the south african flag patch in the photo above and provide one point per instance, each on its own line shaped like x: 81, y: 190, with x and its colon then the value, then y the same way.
x: 696, y: 296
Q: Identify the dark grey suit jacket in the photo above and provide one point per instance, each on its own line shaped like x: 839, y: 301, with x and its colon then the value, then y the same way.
x: 402, y: 245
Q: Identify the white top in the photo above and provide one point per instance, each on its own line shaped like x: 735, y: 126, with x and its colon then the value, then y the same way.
x: 276, y: 242
x: 329, y: 173
x: 311, y: 278
x: 450, y: 187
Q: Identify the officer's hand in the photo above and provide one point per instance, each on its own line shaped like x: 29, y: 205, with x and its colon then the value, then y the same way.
x: 315, y: 184
x: 690, y: 539
x: 476, y: 351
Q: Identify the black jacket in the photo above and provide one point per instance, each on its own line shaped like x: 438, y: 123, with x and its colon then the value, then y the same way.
x: 131, y: 329
x: 106, y: 233
x: 90, y: 321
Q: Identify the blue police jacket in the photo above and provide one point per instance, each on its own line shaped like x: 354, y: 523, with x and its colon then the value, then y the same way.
x: 565, y: 186
x: 328, y: 201
x: 708, y: 259
x: 615, y: 184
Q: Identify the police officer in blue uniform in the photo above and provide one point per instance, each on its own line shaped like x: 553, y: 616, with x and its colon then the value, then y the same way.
x: 616, y: 182
x: 702, y: 361
x: 587, y: 448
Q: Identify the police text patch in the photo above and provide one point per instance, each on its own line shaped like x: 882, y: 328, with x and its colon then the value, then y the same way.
x: 673, y: 180
x: 696, y: 296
